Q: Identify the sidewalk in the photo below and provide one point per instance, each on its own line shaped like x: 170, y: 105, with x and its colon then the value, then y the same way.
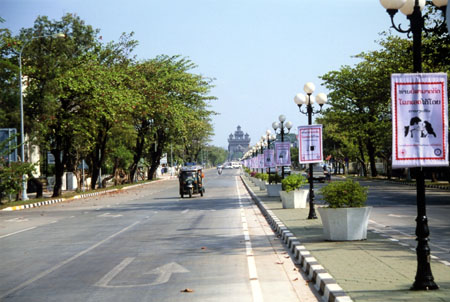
x: 376, y: 270
x: 64, y: 197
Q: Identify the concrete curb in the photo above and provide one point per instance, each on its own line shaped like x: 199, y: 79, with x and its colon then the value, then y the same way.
x: 323, y: 281
x: 34, y: 205
x: 52, y: 201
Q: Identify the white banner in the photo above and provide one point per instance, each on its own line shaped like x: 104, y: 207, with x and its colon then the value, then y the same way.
x: 310, y: 144
x: 419, y: 120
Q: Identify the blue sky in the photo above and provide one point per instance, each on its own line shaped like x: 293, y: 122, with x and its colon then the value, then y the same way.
x: 261, y: 52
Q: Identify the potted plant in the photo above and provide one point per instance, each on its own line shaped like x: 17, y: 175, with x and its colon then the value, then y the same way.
x: 263, y: 177
x: 253, y: 178
x: 346, y: 217
x: 291, y: 195
x: 274, y: 186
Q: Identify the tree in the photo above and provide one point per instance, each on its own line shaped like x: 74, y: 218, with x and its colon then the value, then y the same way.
x: 360, y: 101
x: 174, y: 108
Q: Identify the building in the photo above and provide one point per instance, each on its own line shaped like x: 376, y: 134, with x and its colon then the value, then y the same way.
x: 238, y: 144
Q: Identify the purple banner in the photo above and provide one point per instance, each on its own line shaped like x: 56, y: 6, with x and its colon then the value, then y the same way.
x: 283, y: 153
x: 269, y: 158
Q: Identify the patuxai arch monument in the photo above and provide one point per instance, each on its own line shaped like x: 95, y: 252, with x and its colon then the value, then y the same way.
x: 238, y: 144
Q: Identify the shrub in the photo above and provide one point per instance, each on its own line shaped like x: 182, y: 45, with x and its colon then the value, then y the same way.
x: 344, y: 194
x: 293, y: 182
x: 264, y: 176
x: 274, y: 178
x: 253, y: 174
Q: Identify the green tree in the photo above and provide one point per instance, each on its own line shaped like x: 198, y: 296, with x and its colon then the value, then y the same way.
x: 174, y: 109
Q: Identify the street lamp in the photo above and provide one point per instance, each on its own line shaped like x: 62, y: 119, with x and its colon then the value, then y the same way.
x: 308, y: 100
x: 269, y: 139
x: 282, y: 125
x: 413, y: 10
x: 22, y: 131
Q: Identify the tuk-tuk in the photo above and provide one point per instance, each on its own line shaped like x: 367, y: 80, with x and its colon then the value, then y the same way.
x: 191, y: 181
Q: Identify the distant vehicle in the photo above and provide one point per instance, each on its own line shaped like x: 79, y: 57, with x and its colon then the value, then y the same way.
x: 236, y: 165
x: 319, y: 173
x: 191, y: 181
x: 287, y: 171
x: 219, y: 166
x: 228, y: 166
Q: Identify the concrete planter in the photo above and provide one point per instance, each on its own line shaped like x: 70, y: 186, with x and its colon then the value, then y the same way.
x: 345, y: 224
x: 294, y: 199
x: 262, y: 184
x: 273, y: 190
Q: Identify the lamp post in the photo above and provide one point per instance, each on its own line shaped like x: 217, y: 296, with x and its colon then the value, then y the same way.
x: 262, y: 145
x: 424, y: 279
x: 22, y: 130
x: 269, y: 139
x: 308, y: 100
x: 282, y: 125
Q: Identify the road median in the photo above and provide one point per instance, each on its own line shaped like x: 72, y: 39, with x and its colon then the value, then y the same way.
x: 376, y: 269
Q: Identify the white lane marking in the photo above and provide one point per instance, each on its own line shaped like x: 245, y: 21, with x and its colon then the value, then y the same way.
x: 54, y: 268
x: 400, y: 216
x: 185, y: 211
x: 18, y: 219
x: 252, y: 272
x: 24, y: 230
x: 110, y: 215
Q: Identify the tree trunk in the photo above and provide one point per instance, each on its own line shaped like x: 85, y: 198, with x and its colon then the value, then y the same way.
x: 98, y: 155
x: 138, y: 150
x: 362, y: 159
x: 156, y: 153
x: 39, y: 187
x: 371, y: 152
x: 59, y: 172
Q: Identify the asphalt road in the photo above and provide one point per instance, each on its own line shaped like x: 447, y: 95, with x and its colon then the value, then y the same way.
x: 148, y: 244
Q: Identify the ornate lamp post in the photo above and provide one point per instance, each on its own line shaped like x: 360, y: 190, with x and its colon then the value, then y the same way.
x: 261, y: 146
x: 413, y: 10
x: 269, y: 139
x: 309, y: 100
x: 282, y: 125
x: 22, y: 131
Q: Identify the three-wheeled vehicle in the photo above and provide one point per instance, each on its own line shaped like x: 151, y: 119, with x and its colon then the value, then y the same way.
x: 191, y: 181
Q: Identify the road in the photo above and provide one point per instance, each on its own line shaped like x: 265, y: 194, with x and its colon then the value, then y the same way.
x: 395, y: 212
x: 148, y: 244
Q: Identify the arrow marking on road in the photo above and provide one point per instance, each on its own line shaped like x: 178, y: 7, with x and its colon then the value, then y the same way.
x: 163, y: 274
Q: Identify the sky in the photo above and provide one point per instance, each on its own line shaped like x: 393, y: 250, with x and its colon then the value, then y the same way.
x: 260, y: 52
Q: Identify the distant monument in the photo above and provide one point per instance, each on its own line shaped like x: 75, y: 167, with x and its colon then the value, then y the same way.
x: 238, y: 144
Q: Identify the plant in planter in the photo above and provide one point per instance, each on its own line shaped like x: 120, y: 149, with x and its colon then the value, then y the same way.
x: 263, y: 177
x: 274, y: 178
x: 346, y: 217
x: 291, y: 195
x: 274, y: 186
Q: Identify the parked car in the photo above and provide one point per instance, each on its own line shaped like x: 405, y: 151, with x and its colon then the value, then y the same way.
x: 319, y: 173
x: 287, y: 170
